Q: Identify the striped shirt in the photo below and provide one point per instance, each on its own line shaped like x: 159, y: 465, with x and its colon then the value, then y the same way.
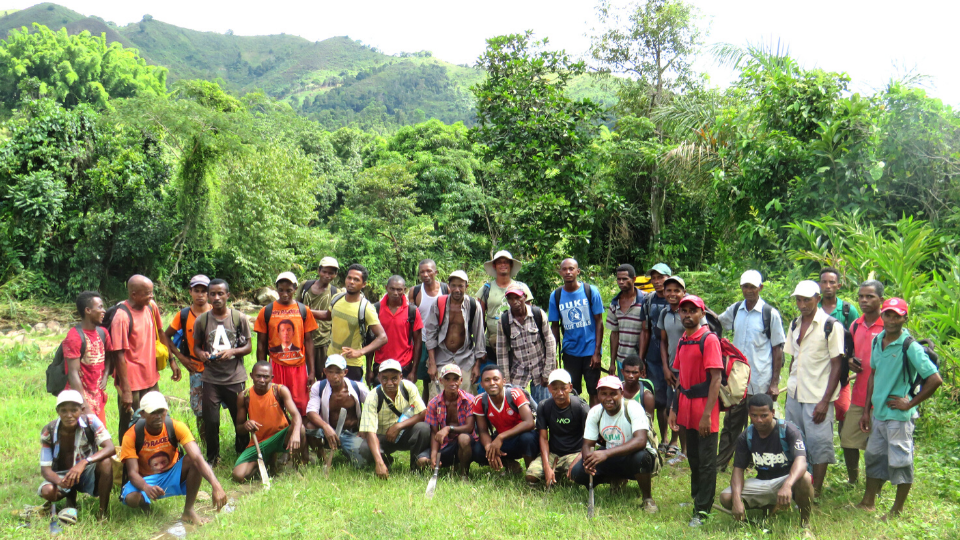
x: 628, y: 325
x: 533, y: 357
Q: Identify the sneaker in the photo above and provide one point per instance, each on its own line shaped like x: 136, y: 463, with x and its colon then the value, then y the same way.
x: 650, y: 507
x: 696, y: 521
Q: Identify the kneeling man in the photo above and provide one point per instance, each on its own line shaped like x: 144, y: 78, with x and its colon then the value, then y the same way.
x: 450, y: 417
x: 777, y: 451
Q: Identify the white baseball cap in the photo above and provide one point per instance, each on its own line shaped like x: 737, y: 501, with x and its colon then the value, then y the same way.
x: 559, y: 375
x: 459, y: 274
x: 289, y: 276
x: 387, y: 365
x: 336, y: 360
x: 751, y: 277
x: 152, y: 402
x: 69, y: 396
x: 329, y: 261
x: 806, y: 289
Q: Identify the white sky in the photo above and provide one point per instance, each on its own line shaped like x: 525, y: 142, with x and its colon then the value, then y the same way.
x: 872, y: 41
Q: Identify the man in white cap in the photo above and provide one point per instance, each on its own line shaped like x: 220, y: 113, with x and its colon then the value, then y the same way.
x: 503, y: 268
x: 316, y: 295
x: 156, y: 470
x: 815, y: 341
x: 181, y: 332
x: 453, y: 334
x: 560, y: 423
x: 292, y: 361
x: 75, y: 452
x: 392, y: 420
x: 758, y: 332
x: 327, y: 398
x: 453, y: 439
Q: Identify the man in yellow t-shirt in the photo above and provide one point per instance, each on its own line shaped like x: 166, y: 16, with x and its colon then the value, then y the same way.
x: 156, y: 469
x: 346, y: 335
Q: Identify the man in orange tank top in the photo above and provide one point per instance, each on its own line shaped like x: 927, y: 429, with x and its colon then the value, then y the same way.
x: 268, y: 411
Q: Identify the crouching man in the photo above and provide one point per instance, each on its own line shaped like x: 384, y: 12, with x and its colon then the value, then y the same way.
x: 776, y: 449
x: 151, y: 455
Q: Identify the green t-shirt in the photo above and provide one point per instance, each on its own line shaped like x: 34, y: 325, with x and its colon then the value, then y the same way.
x: 888, y: 376
x: 496, y: 306
x: 838, y: 313
x: 319, y: 302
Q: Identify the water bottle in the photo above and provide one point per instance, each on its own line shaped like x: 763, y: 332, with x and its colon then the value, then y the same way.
x: 407, y: 413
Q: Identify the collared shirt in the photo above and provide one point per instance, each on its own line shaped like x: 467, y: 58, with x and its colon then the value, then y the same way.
x: 50, y: 440
x: 372, y: 421
x: 437, y: 413
x: 810, y: 369
x: 749, y: 337
x: 320, y: 402
x: 862, y: 348
x: 435, y: 332
x: 837, y: 313
x: 627, y: 324
x: 889, y: 378
x: 397, y: 327
x: 533, y: 357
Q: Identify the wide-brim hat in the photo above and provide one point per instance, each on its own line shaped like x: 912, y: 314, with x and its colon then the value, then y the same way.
x: 492, y: 272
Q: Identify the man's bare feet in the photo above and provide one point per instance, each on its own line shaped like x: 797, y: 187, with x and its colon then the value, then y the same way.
x: 866, y: 508
x: 192, y: 517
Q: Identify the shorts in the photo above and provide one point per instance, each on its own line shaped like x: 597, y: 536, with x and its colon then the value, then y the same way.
x: 817, y: 437
x: 169, y: 481
x: 851, y: 436
x: 354, y: 373
x: 295, y: 379
x: 889, y: 454
x: 563, y: 464
x: 196, y: 394
x: 842, y: 404
x: 448, y: 454
x: 87, y: 483
x: 422, y: 366
x: 349, y: 443
x: 759, y: 493
x: 655, y: 374
x: 269, y: 447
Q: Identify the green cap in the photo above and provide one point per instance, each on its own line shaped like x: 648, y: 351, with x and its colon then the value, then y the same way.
x: 661, y: 269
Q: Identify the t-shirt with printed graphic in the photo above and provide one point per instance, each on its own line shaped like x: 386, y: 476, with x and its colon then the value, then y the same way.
x: 92, y: 367
x: 188, y: 335
x: 768, y: 457
x: 504, y: 418
x: 286, y: 344
x: 579, y: 332
x: 497, y: 305
x: 565, y: 426
x: 214, y: 335
x: 346, y: 327
x: 153, y: 445
x: 616, y: 430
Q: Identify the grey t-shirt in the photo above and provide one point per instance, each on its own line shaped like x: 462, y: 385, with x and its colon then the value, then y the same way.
x: 670, y: 323
x: 213, y: 335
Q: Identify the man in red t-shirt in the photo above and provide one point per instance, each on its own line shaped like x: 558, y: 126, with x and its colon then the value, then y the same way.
x: 700, y: 364
x: 511, y: 420
x: 404, y: 340
x: 86, y: 357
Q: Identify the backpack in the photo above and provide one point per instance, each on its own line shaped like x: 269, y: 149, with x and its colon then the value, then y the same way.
x: 928, y: 346
x: 508, y: 394
x: 381, y: 398
x: 112, y: 313
x: 847, y: 352
x: 485, y: 290
x: 139, y: 430
x: 442, y: 311
x: 361, y: 316
x: 179, y: 338
x: 505, y: 329
x: 308, y: 285
x: 57, y: 370
x: 443, y: 290
x: 356, y: 388
x: 268, y: 312
x: 368, y: 337
x: 782, y: 428
x: 766, y: 313
x: 586, y: 290
x: 735, y: 376
x: 88, y: 433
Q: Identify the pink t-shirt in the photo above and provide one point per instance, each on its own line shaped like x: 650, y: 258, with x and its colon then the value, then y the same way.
x: 139, y: 345
x: 693, y: 370
x: 862, y: 347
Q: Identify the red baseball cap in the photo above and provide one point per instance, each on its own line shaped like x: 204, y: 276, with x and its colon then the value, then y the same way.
x: 695, y: 300
x: 897, y: 305
x: 515, y: 291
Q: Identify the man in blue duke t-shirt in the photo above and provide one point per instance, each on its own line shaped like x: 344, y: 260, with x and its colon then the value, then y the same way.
x: 582, y: 319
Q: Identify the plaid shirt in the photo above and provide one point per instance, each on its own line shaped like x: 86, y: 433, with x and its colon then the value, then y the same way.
x: 50, y: 440
x: 437, y: 413
x: 628, y: 325
x: 533, y: 358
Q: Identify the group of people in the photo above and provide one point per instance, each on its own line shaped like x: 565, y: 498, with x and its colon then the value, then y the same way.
x: 335, y: 371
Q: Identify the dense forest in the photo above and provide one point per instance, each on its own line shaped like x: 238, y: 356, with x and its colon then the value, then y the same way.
x: 107, y: 168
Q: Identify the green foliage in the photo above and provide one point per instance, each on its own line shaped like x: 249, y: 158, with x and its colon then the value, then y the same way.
x: 73, y: 69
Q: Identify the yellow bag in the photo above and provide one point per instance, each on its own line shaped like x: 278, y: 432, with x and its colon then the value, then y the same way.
x: 644, y: 284
x: 163, y: 354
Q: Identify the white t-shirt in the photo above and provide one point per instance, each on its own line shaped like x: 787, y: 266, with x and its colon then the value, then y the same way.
x: 427, y: 303
x: 615, y: 430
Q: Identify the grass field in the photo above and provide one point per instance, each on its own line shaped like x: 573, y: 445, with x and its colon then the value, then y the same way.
x: 354, y: 504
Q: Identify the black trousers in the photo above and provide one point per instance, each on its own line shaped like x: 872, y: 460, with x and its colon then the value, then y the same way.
x: 415, y: 439
x: 702, y: 456
x: 214, y: 396
x: 127, y: 417
x: 734, y: 423
x: 579, y: 369
x: 616, y: 468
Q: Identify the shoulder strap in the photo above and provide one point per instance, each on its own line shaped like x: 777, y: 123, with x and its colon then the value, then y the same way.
x: 336, y: 298
x: 485, y: 292
x: 102, y: 333
x: 138, y: 429
x: 736, y: 309
x: 441, y: 308
x: 589, y: 293
x: 381, y: 398
x: 782, y: 428
x: 353, y: 383
x: 362, y: 315
x: 267, y: 313
x: 416, y: 291
x: 556, y: 302
x: 907, y: 342
x: 505, y: 328
x: 509, y: 397
x: 184, y: 314
x: 626, y: 410
x: 412, y: 319
x: 845, y: 309
x: 828, y: 327
x: 306, y: 287
x: 123, y: 305
x: 473, y: 313
x: 444, y: 289
x: 90, y: 434
x: 303, y: 311
x: 171, y: 434
x: 538, y: 319
x: 766, y: 313
x: 83, y: 340
x: 793, y: 324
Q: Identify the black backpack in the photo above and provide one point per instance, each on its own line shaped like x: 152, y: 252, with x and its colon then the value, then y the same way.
x: 306, y: 287
x: 381, y: 398
x: 57, y: 370
x: 766, y: 313
x: 112, y: 313
x: 928, y: 346
x: 505, y: 329
x: 508, y: 395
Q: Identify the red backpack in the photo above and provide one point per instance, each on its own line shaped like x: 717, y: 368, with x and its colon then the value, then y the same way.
x: 735, y: 375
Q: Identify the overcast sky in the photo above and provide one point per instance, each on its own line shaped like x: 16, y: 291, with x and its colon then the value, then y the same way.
x: 872, y: 41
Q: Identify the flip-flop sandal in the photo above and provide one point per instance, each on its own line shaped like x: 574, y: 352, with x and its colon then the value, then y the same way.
x: 68, y: 516
x: 672, y: 450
